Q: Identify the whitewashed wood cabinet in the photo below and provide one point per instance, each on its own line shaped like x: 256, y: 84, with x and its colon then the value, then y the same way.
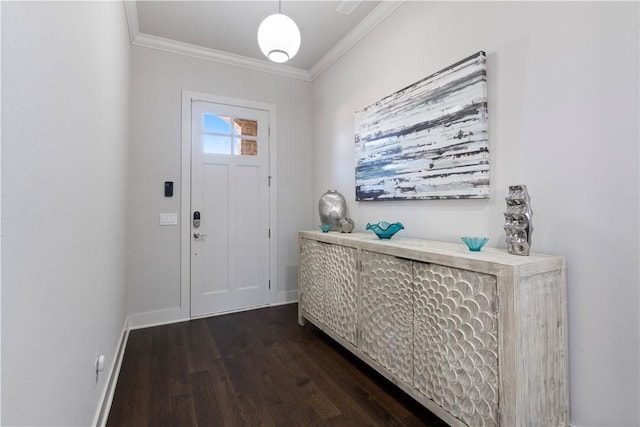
x: 479, y: 338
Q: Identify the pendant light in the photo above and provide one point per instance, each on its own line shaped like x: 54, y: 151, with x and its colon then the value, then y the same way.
x: 279, y: 37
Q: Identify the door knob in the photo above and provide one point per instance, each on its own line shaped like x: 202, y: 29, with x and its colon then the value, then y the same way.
x: 197, y: 235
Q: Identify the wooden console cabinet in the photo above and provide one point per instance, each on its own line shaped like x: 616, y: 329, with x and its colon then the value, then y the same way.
x: 479, y: 338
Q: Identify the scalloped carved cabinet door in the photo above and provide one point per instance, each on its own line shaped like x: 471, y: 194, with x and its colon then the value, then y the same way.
x: 456, y: 341
x: 342, y: 291
x: 386, y: 327
x: 329, y: 285
x: 313, y: 258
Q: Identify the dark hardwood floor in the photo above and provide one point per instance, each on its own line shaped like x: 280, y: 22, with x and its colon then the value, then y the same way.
x: 255, y: 368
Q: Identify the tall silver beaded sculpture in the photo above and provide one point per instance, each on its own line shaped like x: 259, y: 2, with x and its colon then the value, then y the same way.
x: 518, y: 226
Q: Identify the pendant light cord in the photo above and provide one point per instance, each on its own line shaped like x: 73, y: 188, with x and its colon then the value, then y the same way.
x: 280, y: 6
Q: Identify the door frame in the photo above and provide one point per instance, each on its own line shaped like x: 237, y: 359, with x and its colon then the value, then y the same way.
x: 185, y: 192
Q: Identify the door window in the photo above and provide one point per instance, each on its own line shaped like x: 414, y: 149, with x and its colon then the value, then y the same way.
x: 229, y: 135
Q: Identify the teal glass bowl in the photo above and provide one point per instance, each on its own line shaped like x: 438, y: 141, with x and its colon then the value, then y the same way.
x: 384, y: 230
x: 326, y: 227
x: 475, y: 243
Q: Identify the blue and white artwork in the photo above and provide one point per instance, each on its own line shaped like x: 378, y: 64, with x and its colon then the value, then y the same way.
x: 428, y: 140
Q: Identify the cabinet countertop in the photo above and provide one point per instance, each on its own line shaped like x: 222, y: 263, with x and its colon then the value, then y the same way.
x: 432, y: 251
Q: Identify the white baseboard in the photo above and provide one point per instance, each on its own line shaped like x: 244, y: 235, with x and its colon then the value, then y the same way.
x: 286, y: 297
x: 100, y: 418
x: 156, y: 318
x: 275, y: 304
x: 174, y: 315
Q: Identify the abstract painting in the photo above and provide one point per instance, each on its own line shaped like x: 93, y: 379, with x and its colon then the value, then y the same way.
x: 428, y: 140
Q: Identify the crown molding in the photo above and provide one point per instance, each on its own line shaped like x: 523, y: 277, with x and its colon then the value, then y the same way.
x: 359, y: 31
x: 154, y: 42
x: 131, y: 11
x: 377, y: 15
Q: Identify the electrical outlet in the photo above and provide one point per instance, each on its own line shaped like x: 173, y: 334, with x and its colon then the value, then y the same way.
x: 99, y: 366
x: 100, y: 363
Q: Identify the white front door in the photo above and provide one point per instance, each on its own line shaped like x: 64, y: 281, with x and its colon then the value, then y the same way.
x: 230, y: 195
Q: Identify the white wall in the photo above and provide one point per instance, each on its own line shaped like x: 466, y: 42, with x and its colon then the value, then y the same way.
x: 563, y: 107
x: 65, y: 82
x: 0, y: 217
x: 158, y: 79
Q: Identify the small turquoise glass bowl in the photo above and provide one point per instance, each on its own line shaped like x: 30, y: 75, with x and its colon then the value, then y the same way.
x: 325, y: 227
x: 384, y: 230
x: 475, y: 243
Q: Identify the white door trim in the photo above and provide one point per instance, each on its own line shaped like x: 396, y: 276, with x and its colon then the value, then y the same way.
x: 185, y: 191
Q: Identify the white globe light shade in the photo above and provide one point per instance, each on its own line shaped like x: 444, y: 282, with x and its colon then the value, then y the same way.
x: 279, y: 37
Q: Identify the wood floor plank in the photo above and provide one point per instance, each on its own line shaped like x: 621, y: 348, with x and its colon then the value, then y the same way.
x: 179, y: 380
x: 130, y: 407
x: 160, y: 400
x: 183, y: 412
x: 247, y: 395
x: 253, y: 413
x: 334, y: 383
x: 225, y: 394
x: 207, y: 409
x: 255, y: 368
x: 200, y: 346
x: 182, y: 409
x: 264, y: 388
x: 321, y: 403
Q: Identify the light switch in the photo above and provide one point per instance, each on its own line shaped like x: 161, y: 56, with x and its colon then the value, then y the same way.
x: 168, y: 219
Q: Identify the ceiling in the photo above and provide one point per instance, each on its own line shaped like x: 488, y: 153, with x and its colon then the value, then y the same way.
x: 226, y: 31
